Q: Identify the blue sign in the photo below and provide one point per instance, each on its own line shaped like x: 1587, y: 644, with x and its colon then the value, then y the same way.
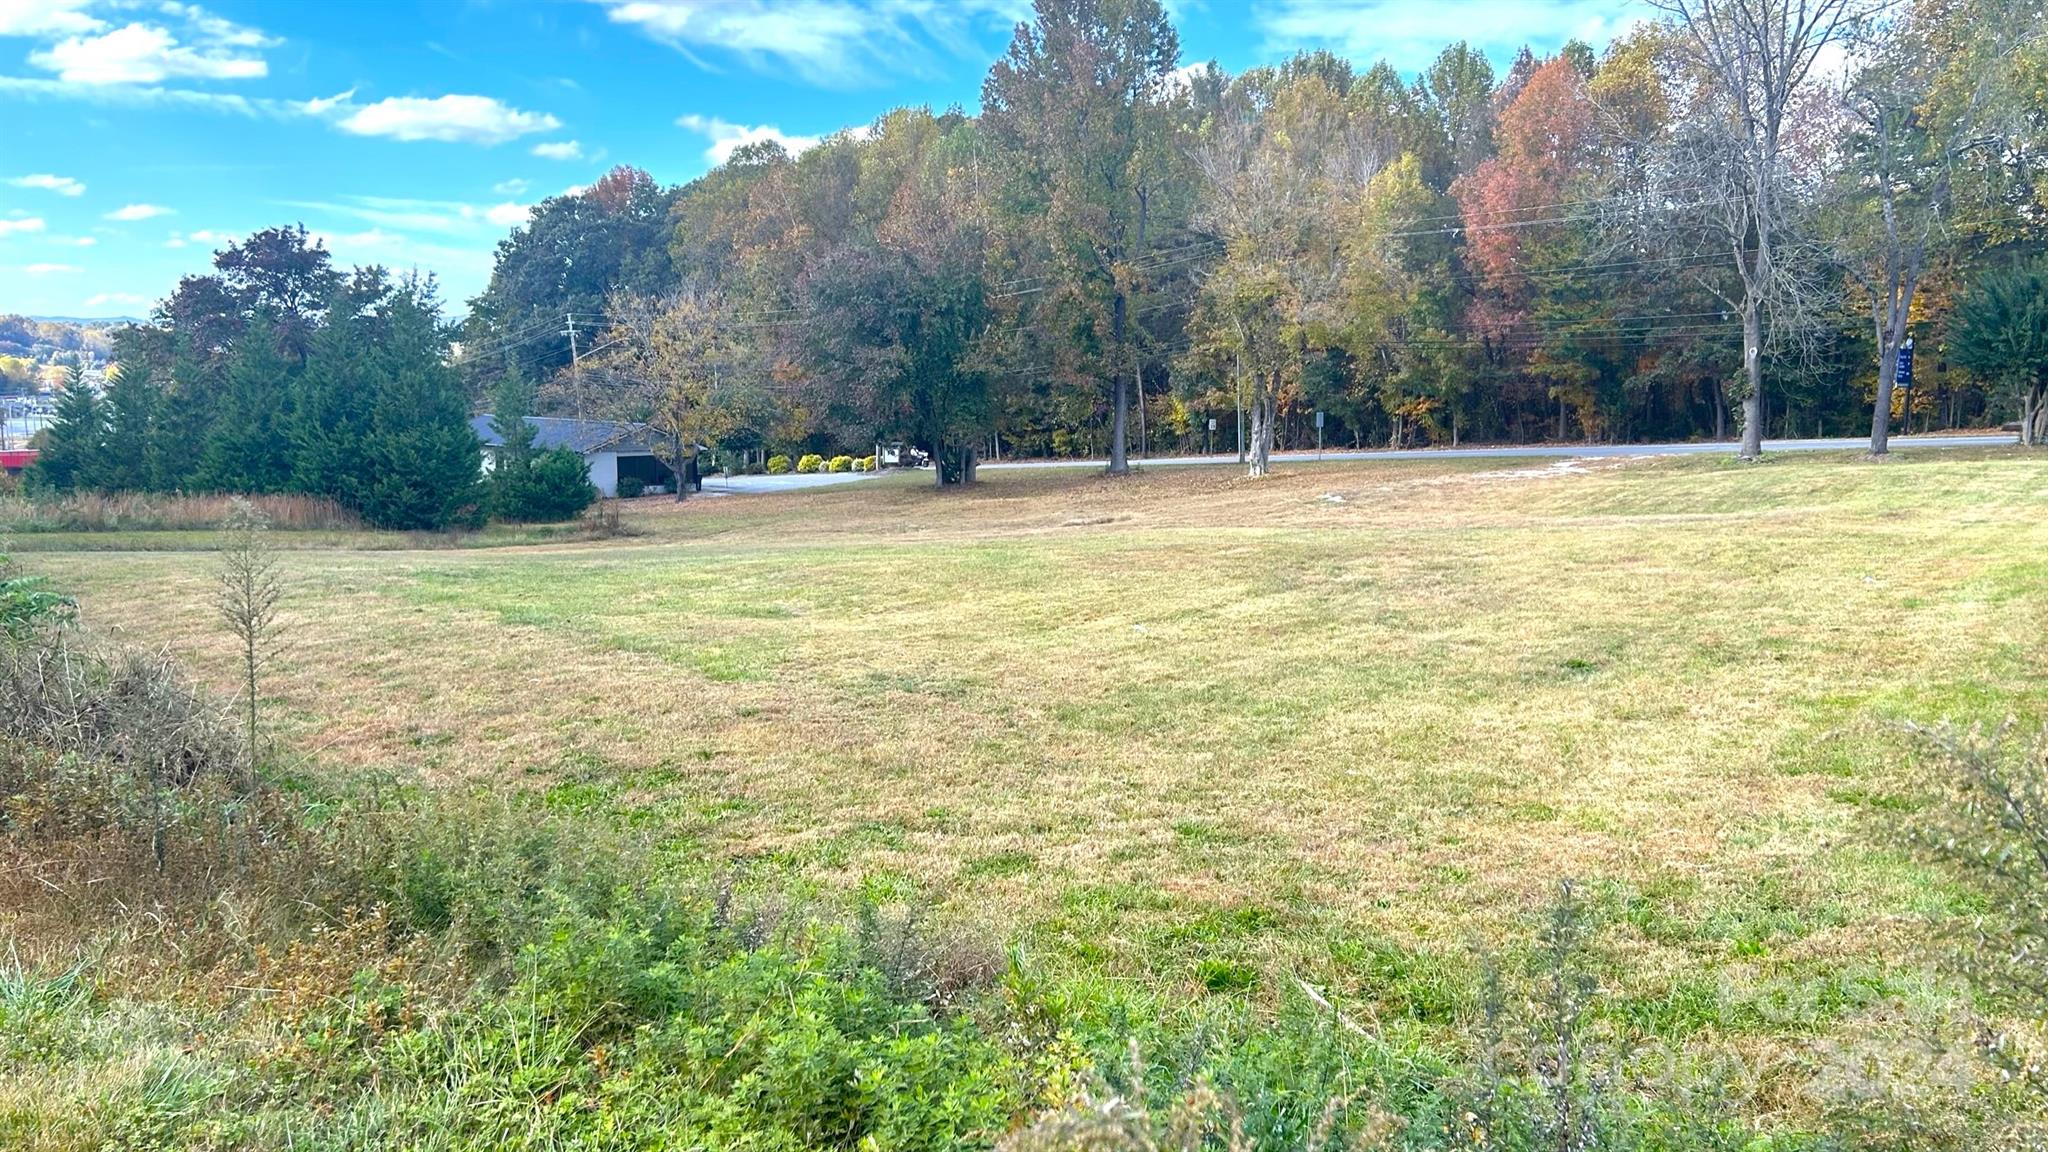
x: 1905, y: 372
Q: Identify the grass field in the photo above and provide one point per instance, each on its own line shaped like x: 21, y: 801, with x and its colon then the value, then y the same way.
x: 1350, y: 724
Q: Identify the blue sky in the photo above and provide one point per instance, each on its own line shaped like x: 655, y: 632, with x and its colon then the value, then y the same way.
x: 138, y: 135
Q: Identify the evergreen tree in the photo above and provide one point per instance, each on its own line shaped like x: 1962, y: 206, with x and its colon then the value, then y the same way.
x: 330, y: 417
x: 184, y: 419
x: 2001, y: 335
x: 512, y: 468
x: 131, y: 411
x: 558, y: 487
x: 421, y: 455
x: 72, y: 455
x: 246, y: 449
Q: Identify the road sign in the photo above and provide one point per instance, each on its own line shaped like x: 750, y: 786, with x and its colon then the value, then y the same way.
x: 1319, y: 417
x: 1905, y: 372
x: 1212, y: 423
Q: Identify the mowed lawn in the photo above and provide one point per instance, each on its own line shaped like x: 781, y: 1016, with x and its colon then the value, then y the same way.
x: 1351, y: 723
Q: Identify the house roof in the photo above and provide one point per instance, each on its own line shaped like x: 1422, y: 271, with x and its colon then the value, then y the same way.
x: 579, y: 436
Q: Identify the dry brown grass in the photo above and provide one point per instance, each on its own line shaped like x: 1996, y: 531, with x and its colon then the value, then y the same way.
x: 1103, y: 714
x: 142, y: 511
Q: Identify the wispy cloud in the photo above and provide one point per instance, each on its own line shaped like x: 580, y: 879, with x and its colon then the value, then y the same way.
x: 123, y: 299
x: 727, y: 138
x: 145, y: 96
x: 450, y: 119
x: 47, y: 18
x: 50, y: 269
x: 512, y: 187
x: 834, y: 43
x: 61, y: 185
x: 451, y: 218
x: 133, y: 212
x: 1409, y: 36
x: 25, y: 224
x: 198, y: 236
x: 559, y: 150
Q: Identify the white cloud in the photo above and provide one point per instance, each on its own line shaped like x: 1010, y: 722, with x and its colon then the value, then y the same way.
x: 452, y: 119
x: 139, y: 53
x: 27, y: 224
x: 559, y: 150
x: 1409, y: 36
x: 145, y: 96
x: 75, y: 241
x: 508, y: 215
x: 47, y: 18
x: 512, y: 187
x: 445, y: 217
x: 124, y: 299
x: 134, y: 212
x: 837, y: 43
x: 49, y: 269
x: 322, y: 105
x: 727, y: 138
x: 61, y: 185
x: 199, y: 236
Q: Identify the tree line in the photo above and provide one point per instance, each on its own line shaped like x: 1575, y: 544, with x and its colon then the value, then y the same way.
x: 278, y: 372
x: 1710, y: 229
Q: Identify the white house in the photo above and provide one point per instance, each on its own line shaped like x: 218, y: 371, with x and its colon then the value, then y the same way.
x: 614, y: 450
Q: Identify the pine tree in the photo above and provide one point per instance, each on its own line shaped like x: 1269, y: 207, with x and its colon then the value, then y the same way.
x: 330, y: 417
x: 512, y: 468
x: 421, y: 454
x: 73, y: 455
x: 246, y: 450
x: 184, y: 420
x: 131, y: 411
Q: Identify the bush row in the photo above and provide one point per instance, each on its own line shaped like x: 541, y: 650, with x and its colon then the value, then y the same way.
x: 813, y: 463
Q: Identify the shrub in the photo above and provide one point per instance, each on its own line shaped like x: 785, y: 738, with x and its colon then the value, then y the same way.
x: 1990, y: 825
x: 842, y: 464
x: 866, y: 463
x: 560, y: 488
x: 631, y: 486
x: 28, y: 602
x: 777, y: 465
x: 811, y: 462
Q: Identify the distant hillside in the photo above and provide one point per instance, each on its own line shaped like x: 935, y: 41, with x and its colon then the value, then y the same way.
x: 43, y: 339
x: 87, y: 321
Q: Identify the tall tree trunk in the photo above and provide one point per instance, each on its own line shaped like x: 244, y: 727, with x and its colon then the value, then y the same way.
x: 1753, y: 374
x: 1265, y: 407
x: 1881, y: 409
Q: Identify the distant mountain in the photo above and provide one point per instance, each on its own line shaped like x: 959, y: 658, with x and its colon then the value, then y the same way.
x: 89, y: 321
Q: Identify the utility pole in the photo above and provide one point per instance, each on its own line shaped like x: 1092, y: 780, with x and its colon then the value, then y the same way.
x: 1240, y: 407
x: 575, y: 362
x: 1138, y: 374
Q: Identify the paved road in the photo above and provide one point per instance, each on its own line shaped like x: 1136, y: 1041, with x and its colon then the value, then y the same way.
x: 787, y: 482
x: 1576, y: 451
x: 793, y: 481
